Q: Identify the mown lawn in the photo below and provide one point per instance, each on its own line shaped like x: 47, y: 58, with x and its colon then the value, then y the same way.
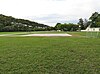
x: 49, y: 55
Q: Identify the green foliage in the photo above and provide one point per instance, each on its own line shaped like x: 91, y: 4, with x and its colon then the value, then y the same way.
x: 98, y: 24
x: 95, y: 20
x: 66, y: 27
x: 81, y: 24
x: 8, y: 23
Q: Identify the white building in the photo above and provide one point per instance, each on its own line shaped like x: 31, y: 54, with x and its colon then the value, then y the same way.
x: 92, y: 29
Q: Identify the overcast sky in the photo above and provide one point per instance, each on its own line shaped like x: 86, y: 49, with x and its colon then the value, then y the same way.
x: 50, y: 11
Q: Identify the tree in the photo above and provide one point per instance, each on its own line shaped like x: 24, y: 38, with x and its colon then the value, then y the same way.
x: 9, y: 23
x: 86, y: 23
x: 93, y: 19
x: 66, y: 27
x: 81, y: 23
x: 1, y: 26
x: 58, y: 26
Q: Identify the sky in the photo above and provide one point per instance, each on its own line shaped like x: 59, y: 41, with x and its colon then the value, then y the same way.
x: 50, y: 12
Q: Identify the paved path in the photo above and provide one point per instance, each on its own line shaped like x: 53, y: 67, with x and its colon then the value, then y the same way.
x: 37, y: 35
x: 47, y: 35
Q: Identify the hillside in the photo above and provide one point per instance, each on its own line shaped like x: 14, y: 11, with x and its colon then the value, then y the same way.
x: 9, y: 23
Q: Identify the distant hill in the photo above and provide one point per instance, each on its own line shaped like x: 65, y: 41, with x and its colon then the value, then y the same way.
x: 9, y: 23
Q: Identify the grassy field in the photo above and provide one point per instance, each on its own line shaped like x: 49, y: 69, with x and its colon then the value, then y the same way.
x: 50, y: 55
x: 74, y: 34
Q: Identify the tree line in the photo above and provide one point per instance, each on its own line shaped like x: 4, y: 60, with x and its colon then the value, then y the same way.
x: 66, y: 27
x: 9, y: 23
x: 93, y: 21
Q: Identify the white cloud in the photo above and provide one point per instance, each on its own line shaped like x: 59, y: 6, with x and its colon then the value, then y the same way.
x: 66, y: 10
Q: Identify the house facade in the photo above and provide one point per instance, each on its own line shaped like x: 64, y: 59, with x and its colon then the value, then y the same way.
x: 92, y: 29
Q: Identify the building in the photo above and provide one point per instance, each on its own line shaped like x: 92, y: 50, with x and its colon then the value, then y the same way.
x: 92, y: 29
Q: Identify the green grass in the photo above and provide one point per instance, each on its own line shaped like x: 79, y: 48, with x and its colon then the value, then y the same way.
x: 14, y: 33
x: 50, y: 55
x: 74, y: 34
x: 85, y: 34
x: 32, y: 32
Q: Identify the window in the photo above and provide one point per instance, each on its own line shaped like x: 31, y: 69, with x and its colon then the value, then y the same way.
x: 93, y: 29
